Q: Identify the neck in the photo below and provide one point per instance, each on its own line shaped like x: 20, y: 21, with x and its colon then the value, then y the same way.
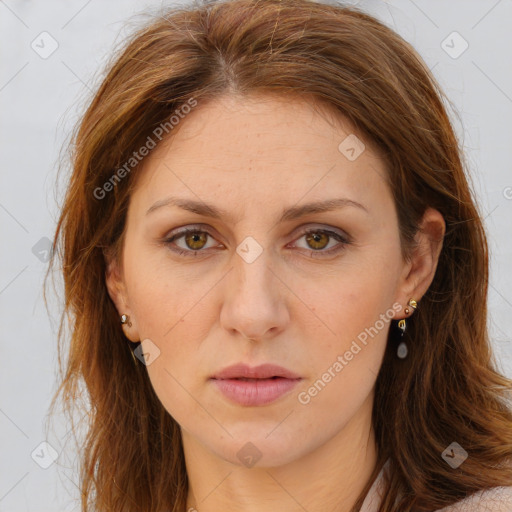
x: 329, y: 479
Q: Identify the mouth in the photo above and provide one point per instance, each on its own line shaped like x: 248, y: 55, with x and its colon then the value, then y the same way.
x: 258, y: 386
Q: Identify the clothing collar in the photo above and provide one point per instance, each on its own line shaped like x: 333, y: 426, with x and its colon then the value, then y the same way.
x: 374, y: 497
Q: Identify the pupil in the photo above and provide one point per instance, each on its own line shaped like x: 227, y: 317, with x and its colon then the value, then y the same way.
x: 316, y: 238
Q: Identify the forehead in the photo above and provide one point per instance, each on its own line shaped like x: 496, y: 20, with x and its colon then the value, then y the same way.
x: 260, y: 149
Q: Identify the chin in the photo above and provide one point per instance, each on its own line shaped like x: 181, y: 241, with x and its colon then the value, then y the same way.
x: 259, y: 451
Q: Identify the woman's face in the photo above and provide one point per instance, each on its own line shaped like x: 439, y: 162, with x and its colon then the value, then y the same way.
x: 252, y: 287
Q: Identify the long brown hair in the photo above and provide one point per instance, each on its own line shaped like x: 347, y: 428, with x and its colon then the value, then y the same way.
x: 448, y: 389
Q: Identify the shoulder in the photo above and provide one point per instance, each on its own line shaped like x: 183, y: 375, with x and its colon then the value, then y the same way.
x: 497, y: 499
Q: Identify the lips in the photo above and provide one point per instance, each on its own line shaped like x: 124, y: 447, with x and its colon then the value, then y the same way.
x: 255, y: 386
x: 263, y: 371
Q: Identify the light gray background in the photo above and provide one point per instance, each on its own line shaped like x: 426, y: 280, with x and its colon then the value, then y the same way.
x: 41, y: 99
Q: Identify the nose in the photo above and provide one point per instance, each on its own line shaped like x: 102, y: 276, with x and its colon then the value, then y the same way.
x: 255, y: 300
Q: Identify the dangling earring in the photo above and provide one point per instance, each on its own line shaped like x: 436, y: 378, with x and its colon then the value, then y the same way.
x: 125, y: 320
x: 402, y: 347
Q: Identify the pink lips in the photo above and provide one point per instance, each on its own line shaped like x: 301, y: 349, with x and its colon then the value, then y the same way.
x: 255, y: 386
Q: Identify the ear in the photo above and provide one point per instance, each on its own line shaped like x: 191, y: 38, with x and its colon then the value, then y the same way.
x: 419, y: 273
x: 117, y: 291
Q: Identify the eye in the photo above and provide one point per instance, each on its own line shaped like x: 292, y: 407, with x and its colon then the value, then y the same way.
x: 318, y: 239
x: 194, y: 239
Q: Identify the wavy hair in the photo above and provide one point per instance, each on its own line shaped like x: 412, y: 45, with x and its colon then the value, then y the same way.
x: 449, y: 388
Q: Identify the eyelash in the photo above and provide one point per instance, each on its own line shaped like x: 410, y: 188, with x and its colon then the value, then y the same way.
x: 191, y: 253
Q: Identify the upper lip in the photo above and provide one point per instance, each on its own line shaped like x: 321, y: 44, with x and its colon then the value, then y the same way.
x: 263, y: 371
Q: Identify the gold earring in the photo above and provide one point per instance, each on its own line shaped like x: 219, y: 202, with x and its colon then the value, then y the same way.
x: 402, y: 347
x: 125, y: 320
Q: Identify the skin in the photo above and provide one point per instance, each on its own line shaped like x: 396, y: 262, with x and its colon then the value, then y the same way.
x: 254, y: 156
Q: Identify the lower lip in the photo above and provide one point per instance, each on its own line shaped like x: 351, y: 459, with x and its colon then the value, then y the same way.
x: 255, y: 392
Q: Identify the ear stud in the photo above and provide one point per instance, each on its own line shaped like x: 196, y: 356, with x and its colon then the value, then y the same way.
x: 125, y: 320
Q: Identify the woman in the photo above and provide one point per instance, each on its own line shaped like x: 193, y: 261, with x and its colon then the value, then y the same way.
x: 276, y: 275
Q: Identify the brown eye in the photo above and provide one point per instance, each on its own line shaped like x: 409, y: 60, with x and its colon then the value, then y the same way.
x: 317, y: 240
x: 189, y: 242
x: 196, y: 240
x: 323, y: 242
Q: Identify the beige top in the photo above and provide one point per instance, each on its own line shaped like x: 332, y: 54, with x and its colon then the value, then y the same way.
x: 497, y: 499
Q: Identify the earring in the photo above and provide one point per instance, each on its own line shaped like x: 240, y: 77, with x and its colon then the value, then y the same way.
x: 402, y: 347
x: 135, y: 360
x: 125, y: 320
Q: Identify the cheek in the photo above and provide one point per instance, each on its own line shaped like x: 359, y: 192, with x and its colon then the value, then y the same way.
x: 159, y: 292
x: 344, y: 363
x: 175, y: 313
x: 346, y: 305
x: 345, y: 335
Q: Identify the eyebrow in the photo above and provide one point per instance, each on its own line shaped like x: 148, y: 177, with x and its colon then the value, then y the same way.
x: 292, y: 213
